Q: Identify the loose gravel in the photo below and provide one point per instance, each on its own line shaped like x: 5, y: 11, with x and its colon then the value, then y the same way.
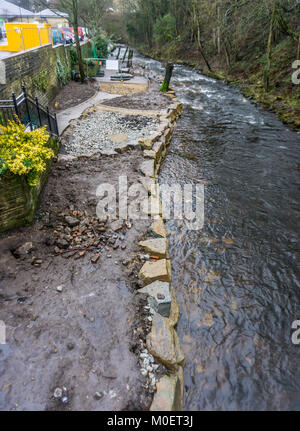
x: 90, y: 135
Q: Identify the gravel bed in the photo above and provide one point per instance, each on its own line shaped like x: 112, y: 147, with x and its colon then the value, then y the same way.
x: 90, y: 135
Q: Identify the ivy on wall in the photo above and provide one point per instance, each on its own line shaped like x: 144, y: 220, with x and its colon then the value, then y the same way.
x: 40, y: 81
x: 63, y: 70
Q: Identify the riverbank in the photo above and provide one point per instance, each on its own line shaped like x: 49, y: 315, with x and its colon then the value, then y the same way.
x: 77, y: 329
x: 283, y: 98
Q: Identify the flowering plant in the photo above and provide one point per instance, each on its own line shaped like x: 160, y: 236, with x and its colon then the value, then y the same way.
x: 23, y: 152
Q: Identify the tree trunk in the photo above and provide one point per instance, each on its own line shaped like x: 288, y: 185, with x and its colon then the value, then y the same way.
x: 269, y: 49
x: 78, y: 47
x: 168, y: 76
x: 219, y: 32
x: 201, y: 49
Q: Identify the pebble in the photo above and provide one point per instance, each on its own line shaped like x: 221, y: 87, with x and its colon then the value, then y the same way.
x: 144, y: 372
x: 60, y: 288
x: 98, y: 395
x: 58, y: 392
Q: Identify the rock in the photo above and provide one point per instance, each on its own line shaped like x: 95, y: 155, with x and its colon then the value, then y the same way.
x: 117, y: 225
x: 152, y: 271
x: 122, y: 148
x: 149, y: 185
x: 158, y: 228
x: 23, y: 250
x: 62, y: 243
x: 98, y: 396
x: 72, y: 221
x: 168, y: 397
x: 95, y: 258
x: 70, y: 346
x: 118, y: 138
x: 156, y: 247
x: 58, y: 393
x: 60, y: 289
x: 146, y: 143
x: 175, y: 312
x: 147, y: 168
x: 179, y: 352
x: 149, y: 154
x: 160, y: 297
x: 161, y: 342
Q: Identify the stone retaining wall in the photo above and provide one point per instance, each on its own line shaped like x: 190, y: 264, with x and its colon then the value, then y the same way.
x: 156, y: 276
x: 44, y: 70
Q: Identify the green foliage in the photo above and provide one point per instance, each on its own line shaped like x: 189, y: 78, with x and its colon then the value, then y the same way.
x: 74, y: 56
x: 165, y: 28
x: 63, y: 71
x: 101, y: 45
x: 40, y: 81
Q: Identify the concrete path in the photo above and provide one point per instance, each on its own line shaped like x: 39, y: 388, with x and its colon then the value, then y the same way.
x: 64, y: 117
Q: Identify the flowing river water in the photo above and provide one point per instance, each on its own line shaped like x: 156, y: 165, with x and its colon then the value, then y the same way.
x: 237, y: 279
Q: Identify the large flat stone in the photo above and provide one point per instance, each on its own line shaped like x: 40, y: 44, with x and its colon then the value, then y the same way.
x: 147, y: 168
x: 152, y: 271
x: 179, y: 352
x: 158, y: 228
x: 168, y: 397
x: 156, y: 247
x: 159, y: 297
x: 146, y: 143
x: 161, y: 342
x: 175, y: 312
x: 149, y: 154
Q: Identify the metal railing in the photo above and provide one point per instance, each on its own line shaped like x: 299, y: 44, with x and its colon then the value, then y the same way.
x: 29, y: 111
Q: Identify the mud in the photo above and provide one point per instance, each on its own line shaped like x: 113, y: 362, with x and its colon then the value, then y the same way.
x: 83, y: 337
x: 73, y: 94
x: 152, y: 99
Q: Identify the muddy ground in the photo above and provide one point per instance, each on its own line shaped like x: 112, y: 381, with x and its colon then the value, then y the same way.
x: 74, y: 323
x: 73, y: 94
x: 150, y: 99
x: 82, y: 336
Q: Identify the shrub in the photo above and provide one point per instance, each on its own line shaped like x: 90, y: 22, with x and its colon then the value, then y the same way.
x: 22, y: 152
x: 101, y: 45
x: 165, y: 28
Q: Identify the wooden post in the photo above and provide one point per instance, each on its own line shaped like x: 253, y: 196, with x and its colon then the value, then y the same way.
x: 130, y: 56
x: 168, y: 76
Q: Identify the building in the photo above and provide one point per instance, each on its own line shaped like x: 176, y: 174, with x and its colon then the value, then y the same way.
x: 52, y: 17
x: 9, y: 12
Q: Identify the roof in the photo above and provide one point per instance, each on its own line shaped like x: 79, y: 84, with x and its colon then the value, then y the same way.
x: 48, y: 13
x: 11, y: 10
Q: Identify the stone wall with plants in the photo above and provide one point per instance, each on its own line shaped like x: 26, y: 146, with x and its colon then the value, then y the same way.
x: 43, y: 70
x: 25, y: 161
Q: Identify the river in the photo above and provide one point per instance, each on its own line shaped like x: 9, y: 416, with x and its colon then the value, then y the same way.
x: 237, y: 280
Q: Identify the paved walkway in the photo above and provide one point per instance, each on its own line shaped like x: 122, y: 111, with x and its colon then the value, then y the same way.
x: 64, y: 117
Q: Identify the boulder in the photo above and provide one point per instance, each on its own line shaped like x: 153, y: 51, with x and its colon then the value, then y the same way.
x: 156, y: 247
x: 159, y: 297
x: 161, y: 342
x: 152, y: 271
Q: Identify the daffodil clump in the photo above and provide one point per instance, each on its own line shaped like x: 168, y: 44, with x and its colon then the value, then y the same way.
x: 22, y: 152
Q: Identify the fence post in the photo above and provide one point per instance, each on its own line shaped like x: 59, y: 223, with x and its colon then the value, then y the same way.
x: 49, y: 119
x: 22, y: 39
x: 56, y: 124
x: 27, y: 107
x: 15, y: 105
x: 38, y: 110
x: 39, y: 36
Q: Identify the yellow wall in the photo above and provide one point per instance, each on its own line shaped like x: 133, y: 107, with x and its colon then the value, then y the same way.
x: 22, y: 36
